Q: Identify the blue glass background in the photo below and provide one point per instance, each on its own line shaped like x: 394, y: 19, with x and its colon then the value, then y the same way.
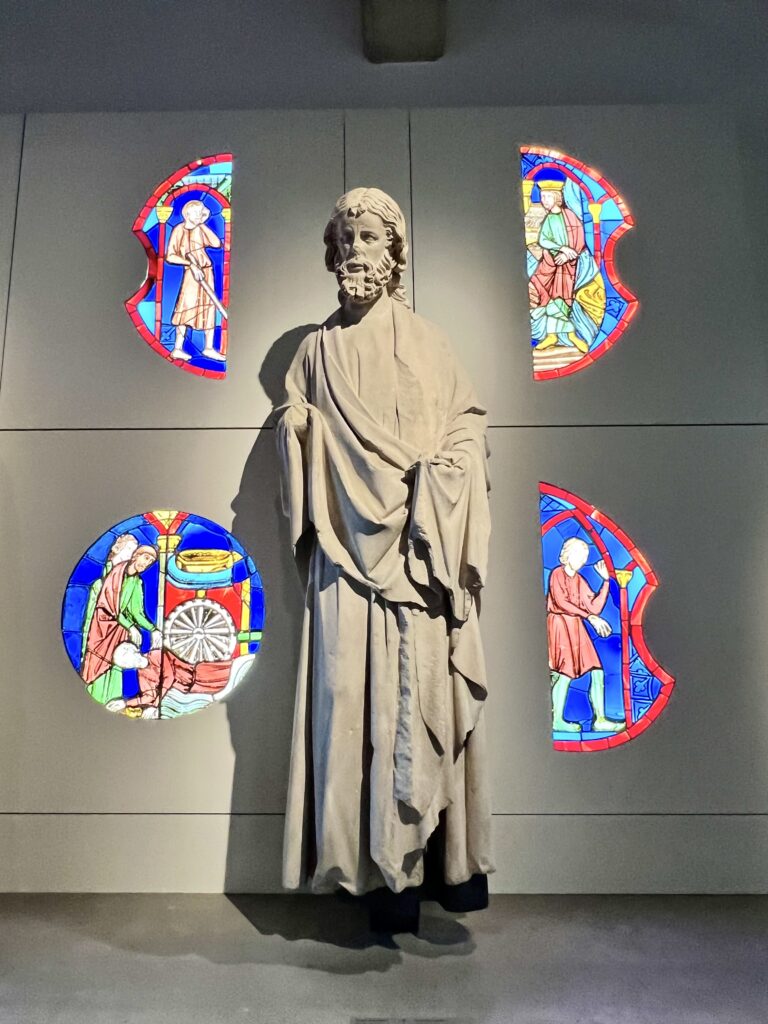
x: 173, y: 274
x: 196, y: 532
x: 611, y: 217
x: 645, y: 687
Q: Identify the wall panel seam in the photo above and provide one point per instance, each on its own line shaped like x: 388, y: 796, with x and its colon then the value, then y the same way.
x: 281, y: 814
x: 13, y: 246
x: 344, y: 151
x: 412, y: 224
x: 491, y: 426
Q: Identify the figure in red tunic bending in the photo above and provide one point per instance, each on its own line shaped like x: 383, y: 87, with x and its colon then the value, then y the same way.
x: 570, y: 602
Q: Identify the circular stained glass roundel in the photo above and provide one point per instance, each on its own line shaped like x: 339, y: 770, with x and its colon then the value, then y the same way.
x: 163, y: 615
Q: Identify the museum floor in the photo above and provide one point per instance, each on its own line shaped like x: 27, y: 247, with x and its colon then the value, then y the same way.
x: 142, y: 959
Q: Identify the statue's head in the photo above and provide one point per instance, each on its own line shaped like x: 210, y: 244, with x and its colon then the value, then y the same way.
x: 574, y: 553
x: 366, y: 246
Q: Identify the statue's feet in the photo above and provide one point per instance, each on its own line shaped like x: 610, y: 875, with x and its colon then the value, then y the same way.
x: 179, y: 353
x: 115, y: 705
x: 563, y: 726
x: 393, y: 912
x: 608, y: 725
x: 150, y: 713
x: 212, y: 353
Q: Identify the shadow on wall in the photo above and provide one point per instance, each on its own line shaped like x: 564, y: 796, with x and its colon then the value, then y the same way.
x: 260, y: 711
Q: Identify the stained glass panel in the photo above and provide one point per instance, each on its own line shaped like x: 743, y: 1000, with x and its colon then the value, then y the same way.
x: 606, y: 686
x: 573, y: 219
x: 181, y: 309
x: 163, y: 615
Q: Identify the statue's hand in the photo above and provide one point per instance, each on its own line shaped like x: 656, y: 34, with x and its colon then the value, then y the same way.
x: 196, y: 272
x: 442, y: 459
x: 601, y: 569
x: 296, y: 417
x: 135, y: 635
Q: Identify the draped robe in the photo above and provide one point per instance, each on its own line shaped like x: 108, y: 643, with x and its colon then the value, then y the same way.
x: 194, y: 307
x: 119, y: 606
x: 382, y: 445
x: 550, y: 280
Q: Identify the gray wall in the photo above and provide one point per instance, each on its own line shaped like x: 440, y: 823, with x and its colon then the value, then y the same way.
x: 290, y: 53
x: 664, y: 433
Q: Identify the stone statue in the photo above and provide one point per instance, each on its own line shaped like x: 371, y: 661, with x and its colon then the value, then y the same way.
x: 383, y: 452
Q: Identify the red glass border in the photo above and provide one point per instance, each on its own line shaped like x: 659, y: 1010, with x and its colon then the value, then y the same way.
x: 606, y: 260
x: 155, y: 264
x: 634, y: 629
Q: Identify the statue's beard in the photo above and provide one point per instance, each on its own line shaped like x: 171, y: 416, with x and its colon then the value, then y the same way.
x: 366, y: 284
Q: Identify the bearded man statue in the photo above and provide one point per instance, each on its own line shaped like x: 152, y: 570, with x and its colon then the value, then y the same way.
x: 383, y: 453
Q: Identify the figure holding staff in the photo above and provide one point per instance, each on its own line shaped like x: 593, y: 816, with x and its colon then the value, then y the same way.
x: 197, y: 302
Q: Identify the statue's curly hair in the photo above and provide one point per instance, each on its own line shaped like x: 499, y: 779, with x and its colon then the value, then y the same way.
x: 372, y: 200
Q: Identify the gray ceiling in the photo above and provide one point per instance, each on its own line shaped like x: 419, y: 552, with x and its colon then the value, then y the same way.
x: 219, y: 54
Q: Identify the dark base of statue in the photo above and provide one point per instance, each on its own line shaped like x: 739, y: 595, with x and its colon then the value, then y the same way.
x: 399, y: 911
x: 393, y: 912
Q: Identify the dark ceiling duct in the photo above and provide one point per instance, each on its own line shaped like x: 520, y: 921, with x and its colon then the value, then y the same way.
x: 399, y: 31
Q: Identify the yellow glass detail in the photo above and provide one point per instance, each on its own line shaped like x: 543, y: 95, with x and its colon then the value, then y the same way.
x: 168, y: 542
x: 245, y: 612
x: 549, y: 341
x: 163, y: 213
x: 527, y: 190
x: 592, y: 299
x: 206, y: 560
x: 166, y: 516
x: 551, y: 186
x: 624, y: 576
x: 578, y: 343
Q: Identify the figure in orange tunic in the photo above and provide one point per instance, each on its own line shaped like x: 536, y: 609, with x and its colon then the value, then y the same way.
x: 571, y: 652
x: 195, y: 307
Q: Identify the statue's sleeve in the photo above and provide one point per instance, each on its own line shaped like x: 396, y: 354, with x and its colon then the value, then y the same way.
x: 292, y: 437
x: 450, y: 514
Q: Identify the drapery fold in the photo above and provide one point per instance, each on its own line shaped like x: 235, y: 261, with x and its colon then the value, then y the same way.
x: 392, y: 662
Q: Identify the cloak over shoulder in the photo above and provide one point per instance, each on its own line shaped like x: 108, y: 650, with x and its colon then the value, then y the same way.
x: 394, y: 494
